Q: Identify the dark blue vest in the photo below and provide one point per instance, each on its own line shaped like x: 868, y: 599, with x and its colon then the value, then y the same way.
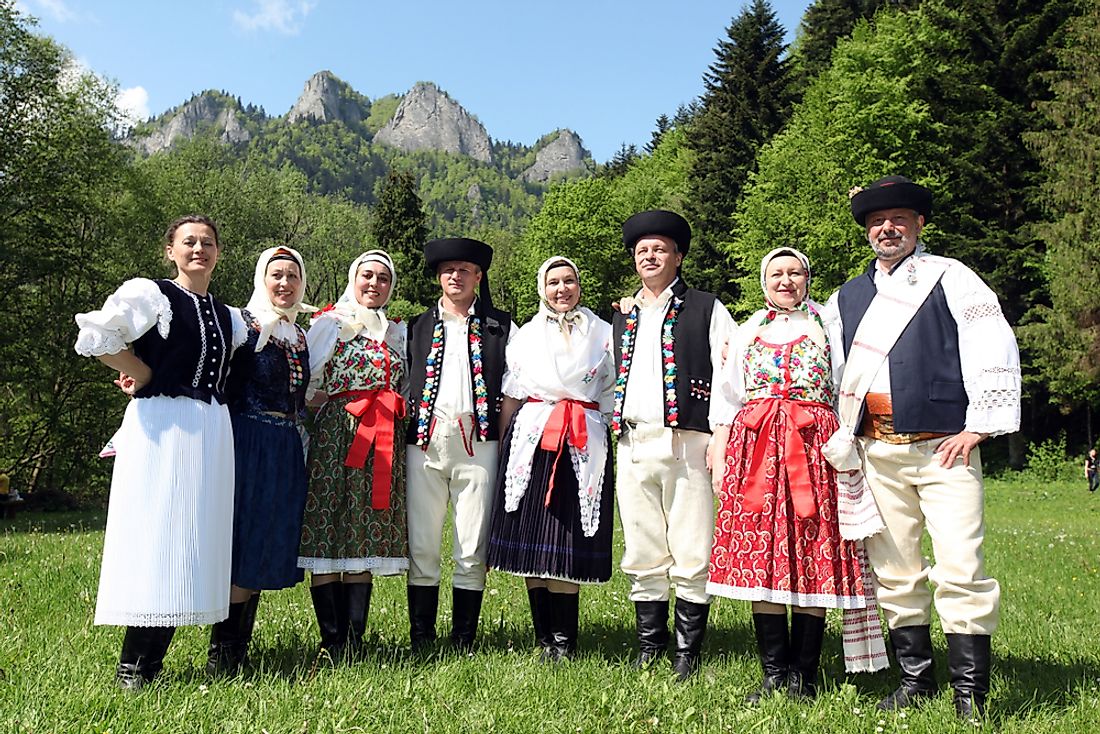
x: 926, y: 383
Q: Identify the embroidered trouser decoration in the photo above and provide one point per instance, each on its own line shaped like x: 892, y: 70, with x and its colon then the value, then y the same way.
x: 763, y: 412
x: 377, y: 411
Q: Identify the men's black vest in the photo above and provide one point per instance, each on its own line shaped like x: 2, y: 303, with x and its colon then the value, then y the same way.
x: 926, y: 383
x: 494, y: 338
x: 690, y: 352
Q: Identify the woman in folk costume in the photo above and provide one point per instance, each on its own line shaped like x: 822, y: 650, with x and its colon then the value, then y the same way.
x: 355, y: 526
x: 266, y: 391
x: 168, y: 544
x: 552, y: 518
x: 777, y: 540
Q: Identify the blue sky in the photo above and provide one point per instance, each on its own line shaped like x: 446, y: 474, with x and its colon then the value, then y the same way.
x: 605, y: 69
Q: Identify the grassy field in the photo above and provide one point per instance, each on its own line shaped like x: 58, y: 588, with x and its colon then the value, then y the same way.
x: 56, y: 668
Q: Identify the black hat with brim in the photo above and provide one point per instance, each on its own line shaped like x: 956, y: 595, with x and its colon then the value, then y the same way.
x: 457, y: 248
x: 657, y: 222
x: 892, y: 192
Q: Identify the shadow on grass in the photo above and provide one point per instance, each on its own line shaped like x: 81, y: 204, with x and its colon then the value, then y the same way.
x: 69, y: 521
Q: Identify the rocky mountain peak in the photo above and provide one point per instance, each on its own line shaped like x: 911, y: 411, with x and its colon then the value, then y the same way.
x: 327, y: 98
x: 428, y: 119
x: 562, y: 155
x: 206, y: 110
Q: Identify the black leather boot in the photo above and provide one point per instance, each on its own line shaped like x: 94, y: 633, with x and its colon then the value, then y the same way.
x: 328, y: 605
x: 913, y: 653
x: 807, y: 634
x: 539, y: 597
x: 651, y: 618
x: 465, y: 612
x: 223, y: 656
x: 774, y: 647
x: 423, y: 608
x: 564, y: 610
x: 356, y: 611
x: 248, y: 624
x: 142, y: 656
x: 969, y: 659
x: 690, y: 627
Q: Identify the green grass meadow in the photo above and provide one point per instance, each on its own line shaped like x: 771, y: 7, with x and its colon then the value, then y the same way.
x: 56, y: 668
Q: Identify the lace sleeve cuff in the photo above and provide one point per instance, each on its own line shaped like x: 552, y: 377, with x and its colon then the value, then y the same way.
x: 127, y: 314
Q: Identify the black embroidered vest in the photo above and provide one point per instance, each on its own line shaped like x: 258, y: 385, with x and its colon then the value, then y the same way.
x: 926, y: 383
x: 193, y: 361
x: 494, y: 338
x: 690, y: 353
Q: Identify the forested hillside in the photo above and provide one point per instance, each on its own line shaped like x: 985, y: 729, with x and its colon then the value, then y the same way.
x: 991, y: 104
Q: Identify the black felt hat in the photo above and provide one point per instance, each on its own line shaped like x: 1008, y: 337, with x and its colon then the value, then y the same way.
x: 892, y: 192
x: 657, y: 222
x: 457, y: 248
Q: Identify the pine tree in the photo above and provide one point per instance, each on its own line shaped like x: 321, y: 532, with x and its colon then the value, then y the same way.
x: 1064, y: 338
x: 663, y: 126
x: 746, y: 101
x: 621, y: 161
x: 399, y: 227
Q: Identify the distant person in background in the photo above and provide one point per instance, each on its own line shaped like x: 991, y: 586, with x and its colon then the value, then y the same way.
x: 668, y: 342
x: 932, y: 370
x: 266, y: 393
x: 168, y: 546
x: 354, y: 527
x: 552, y: 517
x: 456, y: 365
x: 1092, y: 471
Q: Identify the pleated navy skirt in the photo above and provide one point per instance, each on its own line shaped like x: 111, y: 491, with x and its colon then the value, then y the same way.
x: 548, y: 542
x: 269, y: 497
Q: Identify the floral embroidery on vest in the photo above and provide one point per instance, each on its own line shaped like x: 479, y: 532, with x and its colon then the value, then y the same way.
x: 431, y: 385
x: 626, y: 347
x: 481, y: 393
x: 672, y: 412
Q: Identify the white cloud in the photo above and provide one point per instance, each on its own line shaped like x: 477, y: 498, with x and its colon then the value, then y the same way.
x: 53, y: 9
x: 281, y: 16
x: 133, y: 105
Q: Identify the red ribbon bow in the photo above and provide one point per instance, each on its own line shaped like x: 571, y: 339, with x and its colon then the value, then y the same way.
x: 566, y: 424
x: 377, y: 411
x: 760, y: 416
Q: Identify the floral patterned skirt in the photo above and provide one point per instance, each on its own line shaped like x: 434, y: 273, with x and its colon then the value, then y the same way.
x: 340, y: 530
x: 773, y: 555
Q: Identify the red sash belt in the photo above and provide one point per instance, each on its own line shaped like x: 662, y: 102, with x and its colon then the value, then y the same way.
x: 567, y: 423
x: 377, y: 411
x: 761, y: 413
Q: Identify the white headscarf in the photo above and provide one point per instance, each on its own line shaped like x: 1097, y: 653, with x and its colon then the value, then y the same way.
x: 275, y: 320
x: 355, y: 317
x: 575, y: 315
x: 763, y: 317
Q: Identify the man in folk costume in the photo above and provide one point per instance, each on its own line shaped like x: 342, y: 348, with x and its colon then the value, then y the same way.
x: 932, y: 369
x: 668, y: 342
x: 456, y: 364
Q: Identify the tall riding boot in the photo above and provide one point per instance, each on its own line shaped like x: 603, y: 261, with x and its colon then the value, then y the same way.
x: 539, y: 597
x: 807, y: 634
x: 356, y: 610
x: 564, y: 611
x: 222, y: 654
x: 248, y: 624
x: 142, y: 656
x: 328, y: 604
x: 423, y: 608
x: 774, y: 647
x: 651, y: 618
x: 968, y: 658
x: 690, y: 627
x: 465, y: 612
x: 913, y: 652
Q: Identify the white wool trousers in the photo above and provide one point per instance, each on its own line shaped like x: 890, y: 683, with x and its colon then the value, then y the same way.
x: 914, y: 493
x: 447, y: 473
x: 667, y: 510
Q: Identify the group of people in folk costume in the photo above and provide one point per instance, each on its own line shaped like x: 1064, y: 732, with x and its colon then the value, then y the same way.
x: 831, y: 435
